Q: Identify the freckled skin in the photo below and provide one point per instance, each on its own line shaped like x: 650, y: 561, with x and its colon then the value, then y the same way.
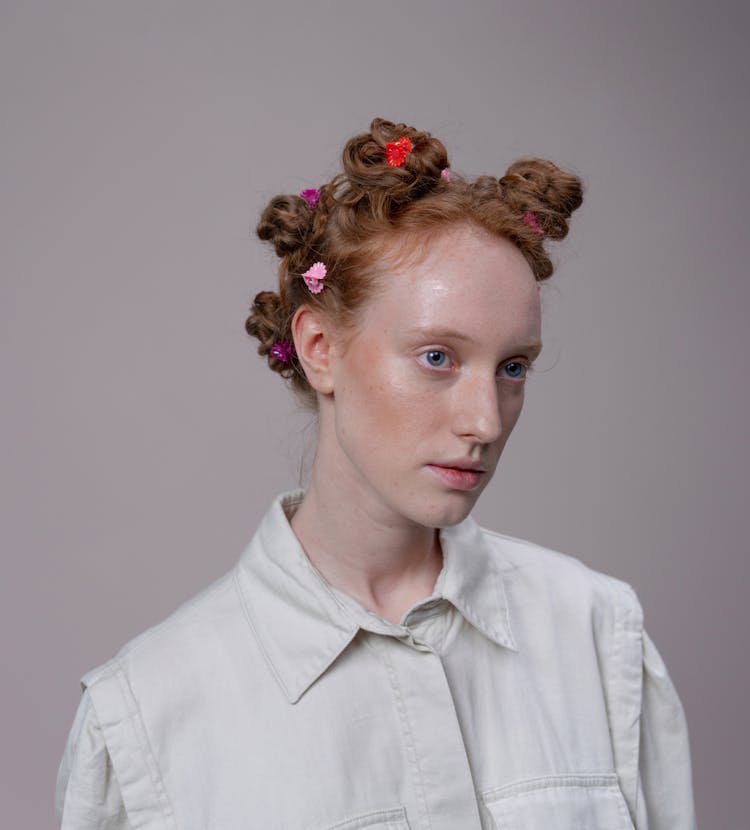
x: 391, y: 412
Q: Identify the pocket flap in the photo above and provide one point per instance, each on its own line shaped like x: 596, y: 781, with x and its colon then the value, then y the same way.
x: 560, y: 802
x: 380, y: 820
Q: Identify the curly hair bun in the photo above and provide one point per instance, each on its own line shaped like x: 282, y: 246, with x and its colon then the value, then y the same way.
x: 539, y: 186
x: 384, y: 188
x: 286, y: 222
x: 268, y: 323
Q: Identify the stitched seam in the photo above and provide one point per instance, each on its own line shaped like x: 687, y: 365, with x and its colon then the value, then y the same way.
x: 76, y: 745
x: 409, y: 738
x: 554, y: 782
x: 479, y: 621
x: 617, y: 661
x: 258, y: 640
x: 143, y: 742
x: 623, y: 613
x: 369, y: 819
x: 640, y: 706
x: 500, y: 597
x: 623, y: 809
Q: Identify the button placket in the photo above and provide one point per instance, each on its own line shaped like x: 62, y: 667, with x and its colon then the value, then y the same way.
x: 433, y: 742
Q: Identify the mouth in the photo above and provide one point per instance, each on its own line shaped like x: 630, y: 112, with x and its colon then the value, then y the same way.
x: 458, y: 478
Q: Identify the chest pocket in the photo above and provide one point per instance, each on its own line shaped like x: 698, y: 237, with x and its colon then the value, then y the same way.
x: 380, y: 820
x: 560, y: 802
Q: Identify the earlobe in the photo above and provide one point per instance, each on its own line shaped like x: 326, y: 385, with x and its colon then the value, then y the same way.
x: 312, y: 339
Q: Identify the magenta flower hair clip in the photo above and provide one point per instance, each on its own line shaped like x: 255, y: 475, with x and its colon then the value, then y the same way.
x: 395, y: 151
x: 530, y: 220
x: 445, y: 173
x: 283, y: 350
x: 314, y: 277
x: 311, y: 196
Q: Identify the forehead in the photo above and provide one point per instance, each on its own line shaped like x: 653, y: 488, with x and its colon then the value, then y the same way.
x: 468, y: 280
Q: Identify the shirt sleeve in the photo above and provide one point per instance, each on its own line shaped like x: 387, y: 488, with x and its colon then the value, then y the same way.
x: 87, y: 796
x: 664, y: 763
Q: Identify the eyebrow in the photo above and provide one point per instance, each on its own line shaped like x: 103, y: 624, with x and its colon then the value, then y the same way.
x: 531, y: 346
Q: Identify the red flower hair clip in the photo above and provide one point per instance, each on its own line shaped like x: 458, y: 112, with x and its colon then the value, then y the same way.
x: 395, y: 151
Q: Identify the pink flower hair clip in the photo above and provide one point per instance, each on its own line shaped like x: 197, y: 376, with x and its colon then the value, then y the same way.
x: 530, y: 220
x: 311, y: 196
x: 283, y: 350
x: 314, y: 277
x: 395, y: 151
x: 445, y: 174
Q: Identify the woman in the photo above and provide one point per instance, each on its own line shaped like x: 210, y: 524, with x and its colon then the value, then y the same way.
x: 376, y: 659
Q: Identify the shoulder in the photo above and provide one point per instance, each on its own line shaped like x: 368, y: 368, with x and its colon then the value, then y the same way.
x: 181, y: 642
x: 538, y: 577
x: 163, y: 689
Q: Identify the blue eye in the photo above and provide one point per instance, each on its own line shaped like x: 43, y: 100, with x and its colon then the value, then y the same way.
x: 435, y: 358
x: 516, y: 370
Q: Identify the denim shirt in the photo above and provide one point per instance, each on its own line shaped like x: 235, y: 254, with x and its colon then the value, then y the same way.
x: 523, y: 693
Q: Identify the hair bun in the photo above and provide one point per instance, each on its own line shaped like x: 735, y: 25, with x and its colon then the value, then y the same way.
x: 286, y: 222
x: 383, y: 188
x: 268, y: 323
x: 539, y: 186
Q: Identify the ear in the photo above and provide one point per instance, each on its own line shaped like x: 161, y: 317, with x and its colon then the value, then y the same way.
x: 313, y: 340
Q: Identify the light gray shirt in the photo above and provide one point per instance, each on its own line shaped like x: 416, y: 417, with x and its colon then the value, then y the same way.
x: 523, y: 693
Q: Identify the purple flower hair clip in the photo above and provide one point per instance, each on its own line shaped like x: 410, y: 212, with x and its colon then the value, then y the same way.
x: 311, y: 196
x: 530, y: 220
x: 314, y: 277
x: 283, y: 350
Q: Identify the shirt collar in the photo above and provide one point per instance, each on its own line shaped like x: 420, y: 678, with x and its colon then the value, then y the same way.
x: 302, y: 625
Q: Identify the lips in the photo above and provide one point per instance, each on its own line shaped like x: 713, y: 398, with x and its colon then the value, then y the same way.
x: 462, y: 464
x: 458, y: 478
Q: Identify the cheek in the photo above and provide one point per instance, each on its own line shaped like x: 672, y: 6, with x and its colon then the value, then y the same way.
x: 385, y: 410
x: 413, y: 406
x: 510, y: 410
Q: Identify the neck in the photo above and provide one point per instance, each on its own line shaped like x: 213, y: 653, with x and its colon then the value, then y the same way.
x: 363, y: 547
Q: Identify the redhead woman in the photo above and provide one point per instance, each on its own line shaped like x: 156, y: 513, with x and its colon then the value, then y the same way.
x: 377, y: 659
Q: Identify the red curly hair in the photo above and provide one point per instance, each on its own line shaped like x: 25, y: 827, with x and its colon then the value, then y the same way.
x: 373, y: 209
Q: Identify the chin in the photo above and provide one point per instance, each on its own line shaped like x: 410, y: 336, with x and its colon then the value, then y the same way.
x: 445, y: 510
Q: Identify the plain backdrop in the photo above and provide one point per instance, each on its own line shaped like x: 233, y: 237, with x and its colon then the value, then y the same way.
x: 142, y: 436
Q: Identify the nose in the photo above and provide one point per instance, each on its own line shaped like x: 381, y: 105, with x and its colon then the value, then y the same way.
x: 477, y: 412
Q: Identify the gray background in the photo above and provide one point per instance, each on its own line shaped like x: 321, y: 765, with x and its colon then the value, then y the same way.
x: 142, y: 438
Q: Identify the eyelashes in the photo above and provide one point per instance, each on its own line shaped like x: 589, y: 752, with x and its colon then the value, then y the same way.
x: 440, y: 360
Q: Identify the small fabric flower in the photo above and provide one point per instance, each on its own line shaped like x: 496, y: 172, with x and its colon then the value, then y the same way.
x: 530, y: 220
x: 311, y: 196
x: 283, y: 350
x: 314, y: 277
x: 445, y: 173
x: 395, y: 151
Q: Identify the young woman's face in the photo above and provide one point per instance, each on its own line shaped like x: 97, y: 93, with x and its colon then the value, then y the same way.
x: 429, y: 388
